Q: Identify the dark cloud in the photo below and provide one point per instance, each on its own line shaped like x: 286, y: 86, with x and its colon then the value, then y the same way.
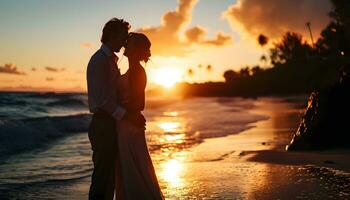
x: 54, y: 69
x: 10, y: 69
x: 274, y: 17
x: 165, y: 38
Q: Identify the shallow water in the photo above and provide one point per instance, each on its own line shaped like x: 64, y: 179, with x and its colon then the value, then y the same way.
x: 56, y: 154
x: 197, y: 154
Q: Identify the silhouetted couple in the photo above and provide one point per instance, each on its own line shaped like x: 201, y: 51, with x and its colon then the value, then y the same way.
x: 122, y: 164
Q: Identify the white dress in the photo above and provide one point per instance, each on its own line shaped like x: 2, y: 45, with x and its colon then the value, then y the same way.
x: 137, y: 179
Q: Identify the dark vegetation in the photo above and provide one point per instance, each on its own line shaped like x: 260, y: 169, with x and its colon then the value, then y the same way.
x: 297, y: 67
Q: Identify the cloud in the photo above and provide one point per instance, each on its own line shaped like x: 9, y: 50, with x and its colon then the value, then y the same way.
x: 86, y: 45
x: 275, y: 17
x: 53, y: 69
x: 10, y: 69
x: 166, y: 39
x: 49, y: 79
x: 197, y: 35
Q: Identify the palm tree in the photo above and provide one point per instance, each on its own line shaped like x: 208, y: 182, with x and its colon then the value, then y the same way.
x: 230, y: 76
x: 263, y: 58
x: 244, y: 72
x: 263, y: 40
x: 256, y: 70
x: 190, y: 73
x: 308, y: 24
x: 292, y: 47
x: 209, y: 68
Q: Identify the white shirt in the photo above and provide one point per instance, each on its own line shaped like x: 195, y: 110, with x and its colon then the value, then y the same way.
x: 102, y: 82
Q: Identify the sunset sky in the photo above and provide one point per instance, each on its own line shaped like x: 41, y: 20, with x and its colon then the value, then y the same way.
x: 46, y: 44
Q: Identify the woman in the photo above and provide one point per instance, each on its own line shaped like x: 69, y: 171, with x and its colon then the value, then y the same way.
x: 138, y: 178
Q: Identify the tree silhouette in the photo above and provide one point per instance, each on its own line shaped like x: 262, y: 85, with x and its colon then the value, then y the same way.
x: 190, y: 72
x: 336, y: 37
x: 230, y: 76
x: 333, y: 40
x: 291, y: 48
x: 256, y: 70
x: 209, y: 68
x: 341, y: 12
x: 263, y: 58
x: 244, y: 72
x: 308, y: 24
x: 263, y: 40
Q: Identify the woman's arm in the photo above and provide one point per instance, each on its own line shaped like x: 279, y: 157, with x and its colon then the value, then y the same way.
x: 137, y: 85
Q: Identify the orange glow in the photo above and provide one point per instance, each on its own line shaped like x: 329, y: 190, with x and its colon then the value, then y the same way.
x: 167, y: 77
x: 171, y: 114
x: 171, y: 171
x: 169, y: 126
x: 175, y: 138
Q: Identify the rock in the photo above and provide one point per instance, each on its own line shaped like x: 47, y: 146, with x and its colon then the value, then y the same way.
x: 326, y: 121
x: 329, y: 162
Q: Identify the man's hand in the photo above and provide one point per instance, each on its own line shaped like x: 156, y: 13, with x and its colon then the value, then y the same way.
x: 135, y: 118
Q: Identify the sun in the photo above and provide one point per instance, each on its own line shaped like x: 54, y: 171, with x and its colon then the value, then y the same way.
x: 167, y: 77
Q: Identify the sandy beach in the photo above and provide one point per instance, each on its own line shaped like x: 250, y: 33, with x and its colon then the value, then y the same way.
x: 254, y: 165
x: 248, y: 162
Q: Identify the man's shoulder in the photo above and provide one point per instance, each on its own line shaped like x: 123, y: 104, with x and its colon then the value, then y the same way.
x: 97, y: 57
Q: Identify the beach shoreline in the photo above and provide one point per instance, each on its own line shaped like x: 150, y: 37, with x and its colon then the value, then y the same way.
x: 251, y: 164
x: 254, y: 164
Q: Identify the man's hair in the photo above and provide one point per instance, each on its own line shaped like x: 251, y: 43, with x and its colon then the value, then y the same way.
x: 114, y: 26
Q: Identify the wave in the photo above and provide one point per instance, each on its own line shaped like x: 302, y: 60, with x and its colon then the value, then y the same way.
x: 69, y: 103
x: 19, y: 135
x: 52, y: 95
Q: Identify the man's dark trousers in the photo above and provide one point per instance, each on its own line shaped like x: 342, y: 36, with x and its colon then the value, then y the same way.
x: 103, y: 139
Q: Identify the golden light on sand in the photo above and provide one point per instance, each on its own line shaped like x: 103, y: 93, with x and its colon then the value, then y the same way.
x: 167, y: 77
x: 171, y: 171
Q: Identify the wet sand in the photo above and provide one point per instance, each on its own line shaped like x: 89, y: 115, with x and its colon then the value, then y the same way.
x: 250, y: 165
x: 254, y: 164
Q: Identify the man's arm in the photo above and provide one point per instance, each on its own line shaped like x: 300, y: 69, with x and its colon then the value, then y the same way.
x: 104, y: 87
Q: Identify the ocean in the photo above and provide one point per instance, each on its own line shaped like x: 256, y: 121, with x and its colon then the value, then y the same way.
x: 44, y: 145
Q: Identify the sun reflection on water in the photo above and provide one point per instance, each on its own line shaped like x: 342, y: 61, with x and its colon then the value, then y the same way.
x: 169, y: 126
x: 171, y: 114
x: 171, y: 172
x: 175, y: 138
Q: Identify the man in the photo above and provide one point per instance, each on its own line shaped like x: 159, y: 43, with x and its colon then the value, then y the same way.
x: 102, y: 77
